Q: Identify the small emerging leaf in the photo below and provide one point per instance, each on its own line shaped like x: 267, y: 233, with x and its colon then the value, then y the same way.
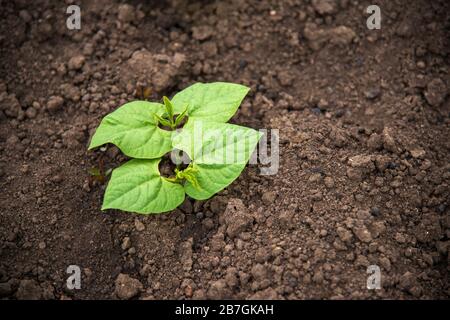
x: 189, y: 175
x: 180, y: 117
x: 169, y: 107
x: 163, y: 121
x: 192, y: 179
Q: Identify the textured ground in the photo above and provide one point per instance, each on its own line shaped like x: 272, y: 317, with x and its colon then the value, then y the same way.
x: 364, y: 173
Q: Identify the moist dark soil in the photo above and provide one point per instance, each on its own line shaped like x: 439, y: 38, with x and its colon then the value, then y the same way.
x: 364, y: 125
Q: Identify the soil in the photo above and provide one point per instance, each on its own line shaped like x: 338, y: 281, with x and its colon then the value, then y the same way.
x: 364, y: 125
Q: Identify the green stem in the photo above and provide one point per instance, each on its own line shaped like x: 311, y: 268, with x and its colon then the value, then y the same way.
x: 174, y: 179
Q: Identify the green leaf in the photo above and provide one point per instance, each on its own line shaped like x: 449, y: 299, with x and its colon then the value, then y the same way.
x: 217, y: 143
x: 169, y: 107
x: 137, y: 186
x: 217, y: 101
x: 163, y: 121
x: 219, y: 153
x: 180, y: 117
x: 211, y: 179
x: 134, y: 129
x: 189, y: 175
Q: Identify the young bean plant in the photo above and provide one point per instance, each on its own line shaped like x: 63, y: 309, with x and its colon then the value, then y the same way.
x: 215, y: 152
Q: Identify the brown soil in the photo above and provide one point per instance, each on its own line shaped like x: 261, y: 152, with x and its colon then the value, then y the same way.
x: 364, y: 150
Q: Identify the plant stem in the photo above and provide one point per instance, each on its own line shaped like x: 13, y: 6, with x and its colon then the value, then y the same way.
x: 173, y: 179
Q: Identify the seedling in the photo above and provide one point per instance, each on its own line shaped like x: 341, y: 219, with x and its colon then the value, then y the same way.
x: 98, y: 173
x: 218, y: 151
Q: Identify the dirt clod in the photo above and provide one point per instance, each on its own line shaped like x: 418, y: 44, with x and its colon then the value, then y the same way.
x: 127, y: 287
x: 126, y: 13
x: 237, y: 218
x: 54, y: 103
x: 29, y: 290
x: 436, y: 92
x: 76, y: 62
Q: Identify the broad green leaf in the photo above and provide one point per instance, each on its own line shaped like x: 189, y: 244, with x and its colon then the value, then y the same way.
x: 217, y: 101
x: 211, y: 179
x: 219, y: 153
x: 134, y: 130
x: 217, y: 143
x: 137, y: 186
